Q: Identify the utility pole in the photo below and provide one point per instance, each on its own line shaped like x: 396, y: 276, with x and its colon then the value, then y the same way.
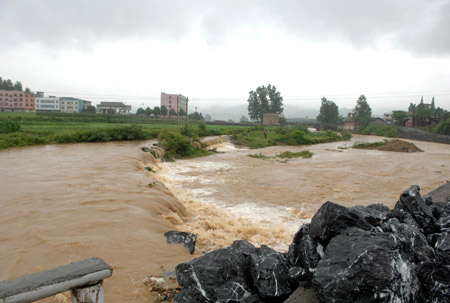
x: 178, y: 112
x: 187, y: 100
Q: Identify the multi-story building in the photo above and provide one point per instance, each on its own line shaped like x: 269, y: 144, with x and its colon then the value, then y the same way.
x: 174, y: 101
x: 70, y: 105
x: 12, y: 101
x: 29, y: 102
x: 51, y: 103
x: 113, y: 108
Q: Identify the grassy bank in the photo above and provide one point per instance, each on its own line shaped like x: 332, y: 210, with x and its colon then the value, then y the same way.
x: 180, y: 141
x: 285, y: 136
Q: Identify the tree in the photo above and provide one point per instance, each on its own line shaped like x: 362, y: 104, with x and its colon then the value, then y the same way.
x: 196, y: 116
x: 156, y: 111
x: 264, y: 100
x: 91, y: 109
x: 182, y: 112
x: 329, y: 113
x: 362, y: 111
x: 164, y: 110
x: 18, y: 86
x: 400, y: 117
x: 27, y: 90
x: 243, y: 119
x: 172, y: 112
x: 140, y: 111
x: 148, y: 112
x: 412, y: 107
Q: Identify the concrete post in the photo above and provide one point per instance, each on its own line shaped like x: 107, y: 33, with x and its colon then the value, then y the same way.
x: 90, y: 294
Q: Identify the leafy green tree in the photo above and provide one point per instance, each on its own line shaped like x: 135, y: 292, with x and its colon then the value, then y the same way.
x: 182, y: 112
x: 264, y: 100
x: 362, y: 111
x: 148, y: 112
x: 329, y: 114
x: 400, y: 117
x: 156, y: 111
x: 172, y: 112
x: 164, y: 110
x: 27, y: 90
x: 140, y: 111
x: 91, y: 109
x: 18, y: 86
x: 412, y: 107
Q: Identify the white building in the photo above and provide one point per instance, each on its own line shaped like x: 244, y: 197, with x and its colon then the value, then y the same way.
x: 69, y: 105
x: 51, y: 103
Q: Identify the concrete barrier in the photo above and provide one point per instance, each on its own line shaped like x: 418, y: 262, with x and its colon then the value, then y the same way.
x: 83, y: 278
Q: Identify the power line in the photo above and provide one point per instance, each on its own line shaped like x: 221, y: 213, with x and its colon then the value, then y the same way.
x: 390, y: 95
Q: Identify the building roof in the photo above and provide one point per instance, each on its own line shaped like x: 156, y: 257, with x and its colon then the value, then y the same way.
x: 111, y: 104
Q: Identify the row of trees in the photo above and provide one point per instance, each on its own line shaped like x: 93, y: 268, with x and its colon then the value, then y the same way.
x: 268, y: 100
x: 163, y: 111
x: 157, y: 112
x: 7, y: 84
x: 329, y: 112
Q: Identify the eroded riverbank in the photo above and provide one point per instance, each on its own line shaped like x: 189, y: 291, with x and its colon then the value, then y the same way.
x: 64, y: 203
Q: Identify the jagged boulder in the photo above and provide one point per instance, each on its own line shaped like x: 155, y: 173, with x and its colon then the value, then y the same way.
x: 269, y: 272
x: 303, y: 255
x: 363, y: 266
x: 218, y: 276
x: 412, y: 203
x: 332, y: 219
x: 187, y: 239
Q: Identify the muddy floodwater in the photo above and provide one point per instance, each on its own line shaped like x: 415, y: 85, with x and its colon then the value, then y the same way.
x: 64, y: 203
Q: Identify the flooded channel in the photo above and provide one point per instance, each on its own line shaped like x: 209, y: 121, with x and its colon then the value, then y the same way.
x: 63, y: 203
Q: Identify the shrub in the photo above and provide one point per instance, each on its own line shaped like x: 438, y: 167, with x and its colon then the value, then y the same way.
x: 442, y: 128
x: 9, y: 126
x: 175, y: 144
x: 390, y: 131
x: 296, y: 137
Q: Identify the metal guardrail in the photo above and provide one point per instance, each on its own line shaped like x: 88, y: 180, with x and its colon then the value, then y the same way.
x: 83, y: 278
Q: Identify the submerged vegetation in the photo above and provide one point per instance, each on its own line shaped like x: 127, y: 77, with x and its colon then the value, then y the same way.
x: 297, y: 135
x: 285, y: 155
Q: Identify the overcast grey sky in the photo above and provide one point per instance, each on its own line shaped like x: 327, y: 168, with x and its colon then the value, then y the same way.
x: 393, y: 51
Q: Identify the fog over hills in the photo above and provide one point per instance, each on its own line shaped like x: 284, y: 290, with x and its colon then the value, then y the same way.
x: 235, y: 112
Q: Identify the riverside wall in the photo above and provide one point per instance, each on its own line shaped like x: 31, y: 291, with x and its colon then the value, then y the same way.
x: 421, y: 135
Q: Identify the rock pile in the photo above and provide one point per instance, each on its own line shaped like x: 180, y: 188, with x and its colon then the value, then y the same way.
x: 357, y: 254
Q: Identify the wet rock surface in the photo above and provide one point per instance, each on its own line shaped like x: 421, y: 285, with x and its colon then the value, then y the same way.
x: 187, y: 239
x: 358, y: 254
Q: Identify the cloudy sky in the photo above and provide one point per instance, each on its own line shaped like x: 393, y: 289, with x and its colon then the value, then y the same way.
x: 215, y: 52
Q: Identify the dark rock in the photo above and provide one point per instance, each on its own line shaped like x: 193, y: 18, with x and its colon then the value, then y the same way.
x: 374, y: 214
x: 304, y: 254
x: 363, y: 266
x: 188, y: 239
x: 269, y: 272
x: 443, y: 221
x: 405, y: 217
x: 219, y: 276
x: 332, y: 219
x: 441, y: 194
x: 435, y: 274
x: 411, y: 202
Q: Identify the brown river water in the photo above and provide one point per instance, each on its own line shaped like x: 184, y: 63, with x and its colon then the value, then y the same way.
x: 64, y: 203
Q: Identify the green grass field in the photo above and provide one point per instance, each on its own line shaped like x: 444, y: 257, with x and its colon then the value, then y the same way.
x: 24, y: 129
